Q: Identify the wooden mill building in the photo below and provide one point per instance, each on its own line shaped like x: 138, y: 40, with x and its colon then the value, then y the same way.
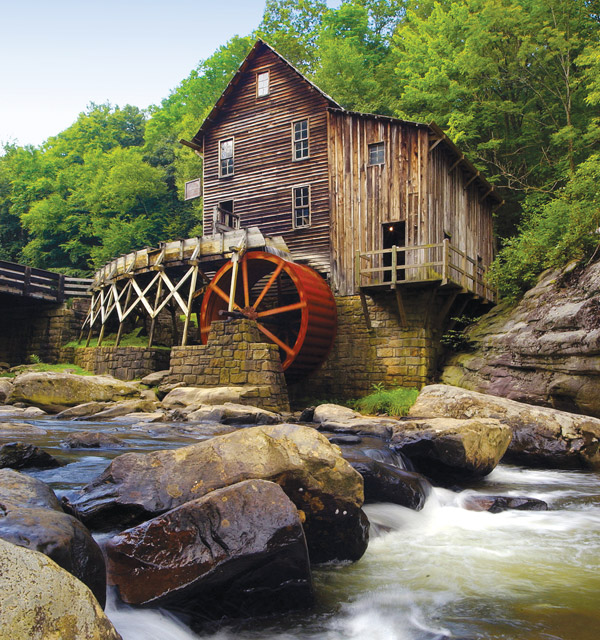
x: 390, y: 212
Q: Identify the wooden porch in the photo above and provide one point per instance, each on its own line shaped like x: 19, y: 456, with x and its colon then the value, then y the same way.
x: 439, y: 264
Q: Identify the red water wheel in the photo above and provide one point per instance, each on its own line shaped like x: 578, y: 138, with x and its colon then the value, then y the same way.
x: 292, y: 304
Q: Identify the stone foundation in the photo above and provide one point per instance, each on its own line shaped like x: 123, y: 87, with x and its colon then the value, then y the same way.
x: 234, y: 356
x: 124, y: 363
x: 389, y: 354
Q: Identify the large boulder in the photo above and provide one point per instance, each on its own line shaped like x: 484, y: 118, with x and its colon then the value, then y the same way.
x: 42, y: 601
x: 232, y: 413
x: 55, y: 391
x: 238, y: 551
x: 5, y: 389
x: 192, y: 398
x: 541, y: 436
x: 136, y: 487
x: 44, y: 527
x: 545, y: 350
x: 445, y: 449
x: 11, y: 430
x: 336, y: 418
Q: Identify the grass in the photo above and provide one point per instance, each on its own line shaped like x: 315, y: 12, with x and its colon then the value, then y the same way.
x: 127, y: 340
x: 42, y: 366
x: 393, y: 402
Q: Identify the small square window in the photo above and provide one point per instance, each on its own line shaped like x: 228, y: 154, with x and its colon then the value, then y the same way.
x: 301, y: 207
x: 226, y: 158
x: 262, y: 84
x: 300, y: 139
x: 376, y: 153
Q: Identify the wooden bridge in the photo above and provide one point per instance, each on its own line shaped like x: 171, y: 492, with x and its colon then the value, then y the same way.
x: 39, y: 284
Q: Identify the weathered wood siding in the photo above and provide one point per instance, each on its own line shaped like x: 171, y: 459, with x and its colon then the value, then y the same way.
x: 412, y: 186
x: 265, y: 173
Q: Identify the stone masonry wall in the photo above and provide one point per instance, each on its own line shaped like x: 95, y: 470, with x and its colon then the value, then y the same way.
x: 125, y: 363
x: 389, y: 354
x: 234, y: 356
x: 37, y: 329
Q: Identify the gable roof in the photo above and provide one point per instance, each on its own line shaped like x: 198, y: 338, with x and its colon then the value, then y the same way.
x: 259, y: 46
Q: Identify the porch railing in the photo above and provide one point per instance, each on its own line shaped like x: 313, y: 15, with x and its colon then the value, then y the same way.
x: 423, y: 263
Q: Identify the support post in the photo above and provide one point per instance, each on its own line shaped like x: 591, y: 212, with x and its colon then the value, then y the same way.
x: 365, y: 308
x: 156, y: 303
x: 445, y: 260
x: 120, y: 330
x: 394, y: 265
x: 401, y: 311
x: 189, y: 304
x: 357, y: 269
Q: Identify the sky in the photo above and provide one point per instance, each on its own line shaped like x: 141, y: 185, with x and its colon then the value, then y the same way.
x: 58, y: 56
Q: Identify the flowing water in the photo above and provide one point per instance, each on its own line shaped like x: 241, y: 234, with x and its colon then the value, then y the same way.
x: 444, y: 572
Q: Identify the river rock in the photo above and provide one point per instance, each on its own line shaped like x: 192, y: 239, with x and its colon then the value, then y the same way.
x: 197, y: 559
x: 10, y: 430
x: 446, y: 448
x: 5, y: 389
x: 55, y: 391
x: 545, y: 350
x: 496, y: 504
x: 119, y: 409
x: 25, y: 491
x: 19, y: 455
x: 193, y: 398
x: 82, y: 410
x: 334, y: 417
x: 387, y: 483
x: 231, y: 413
x: 91, y: 440
x: 136, y: 487
x: 541, y: 436
x: 42, y: 601
x: 156, y: 378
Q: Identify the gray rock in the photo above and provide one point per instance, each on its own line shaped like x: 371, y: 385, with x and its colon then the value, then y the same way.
x: 11, y: 430
x: 5, y: 388
x: 91, y: 440
x: 20, y: 455
x: 119, y: 409
x: 40, y: 600
x: 333, y: 413
x: 82, y: 410
x: 541, y: 436
x: 25, y: 491
x: 230, y: 413
x: 195, y: 397
x: 156, y: 378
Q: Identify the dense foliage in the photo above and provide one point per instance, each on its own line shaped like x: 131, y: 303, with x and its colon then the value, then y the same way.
x: 516, y: 83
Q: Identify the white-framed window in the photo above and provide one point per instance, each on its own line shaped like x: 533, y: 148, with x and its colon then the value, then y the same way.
x: 376, y: 153
x: 301, y: 207
x: 225, y: 158
x: 262, y: 84
x: 300, y: 149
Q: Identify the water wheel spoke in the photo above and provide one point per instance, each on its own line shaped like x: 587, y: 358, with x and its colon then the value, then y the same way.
x: 245, y: 282
x: 275, y: 339
x: 284, y: 309
x: 222, y: 294
x: 269, y: 284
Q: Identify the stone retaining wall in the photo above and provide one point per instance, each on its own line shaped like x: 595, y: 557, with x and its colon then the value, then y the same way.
x: 125, y: 363
x: 234, y: 356
x: 389, y: 354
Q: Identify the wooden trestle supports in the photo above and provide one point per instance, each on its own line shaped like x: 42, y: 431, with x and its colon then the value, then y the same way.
x: 148, y: 280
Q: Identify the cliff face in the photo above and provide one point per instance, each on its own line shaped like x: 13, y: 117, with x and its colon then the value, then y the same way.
x: 544, y: 351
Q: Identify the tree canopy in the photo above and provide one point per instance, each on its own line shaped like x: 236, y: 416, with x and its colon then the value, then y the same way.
x: 516, y: 83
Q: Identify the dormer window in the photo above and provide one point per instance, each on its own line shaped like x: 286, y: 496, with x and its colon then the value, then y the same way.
x: 262, y: 84
x: 226, y: 158
x: 300, y: 139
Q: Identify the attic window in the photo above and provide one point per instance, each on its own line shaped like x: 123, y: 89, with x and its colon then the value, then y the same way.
x: 376, y: 153
x: 226, y: 158
x: 300, y: 139
x: 262, y: 84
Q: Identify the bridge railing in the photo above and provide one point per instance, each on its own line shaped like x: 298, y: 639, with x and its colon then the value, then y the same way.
x: 18, y: 279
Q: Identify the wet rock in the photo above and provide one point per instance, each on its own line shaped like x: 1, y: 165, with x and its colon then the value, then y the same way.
x: 194, y: 558
x: 91, y: 440
x: 40, y: 600
x: 230, y: 413
x: 10, y: 430
x: 156, y: 378
x: 55, y: 391
x: 542, y: 437
x: 387, y: 483
x: 344, y: 439
x: 19, y: 455
x: 496, y: 504
x: 307, y: 415
x: 333, y: 417
x: 33, y: 412
x: 195, y: 430
x: 25, y: 491
x: 444, y: 449
x: 142, y: 416
x: 120, y: 409
x: 194, y: 397
x: 136, y: 487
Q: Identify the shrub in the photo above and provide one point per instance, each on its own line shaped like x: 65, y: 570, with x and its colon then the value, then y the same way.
x: 394, y: 402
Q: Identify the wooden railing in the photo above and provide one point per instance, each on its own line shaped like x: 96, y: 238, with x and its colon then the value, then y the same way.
x: 422, y: 263
x: 17, y: 279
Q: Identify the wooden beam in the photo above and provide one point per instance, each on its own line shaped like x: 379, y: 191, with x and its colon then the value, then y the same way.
x: 401, y: 311
x: 487, y: 193
x: 191, y: 145
x: 451, y: 169
x: 435, y: 144
x: 473, y: 178
x: 365, y: 309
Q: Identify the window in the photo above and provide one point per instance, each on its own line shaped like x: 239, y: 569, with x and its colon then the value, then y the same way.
x: 376, y: 153
x: 300, y: 138
x: 226, y: 158
x: 301, y: 207
x: 224, y: 218
x: 262, y: 84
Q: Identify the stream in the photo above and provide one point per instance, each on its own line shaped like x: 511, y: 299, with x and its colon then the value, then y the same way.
x: 440, y: 573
